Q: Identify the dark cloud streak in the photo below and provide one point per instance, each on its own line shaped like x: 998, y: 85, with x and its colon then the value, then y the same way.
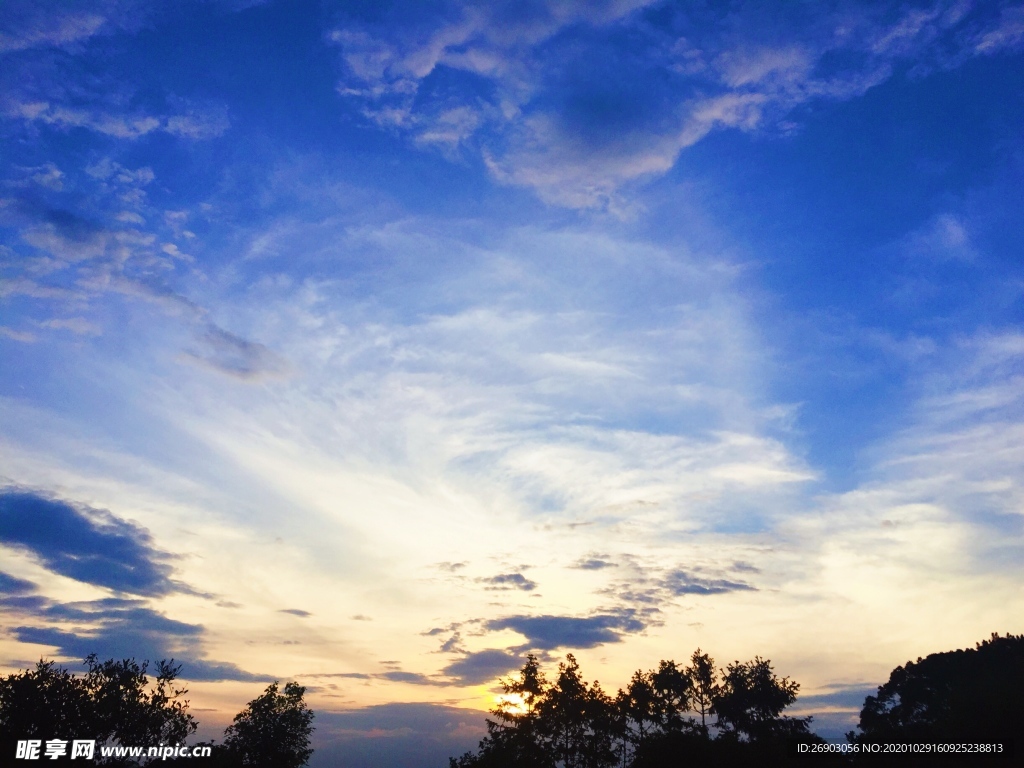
x: 12, y: 585
x: 508, y: 581
x: 88, y: 545
x: 123, y: 629
x: 550, y: 632
x: 482, y: 666
x: 683, y: 583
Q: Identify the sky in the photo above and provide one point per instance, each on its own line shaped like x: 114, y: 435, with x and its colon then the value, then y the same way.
x: 378, y: 344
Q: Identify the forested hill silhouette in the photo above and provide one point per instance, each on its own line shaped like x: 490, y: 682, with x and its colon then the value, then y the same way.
x: 969, y: 695
x: 699, y: 715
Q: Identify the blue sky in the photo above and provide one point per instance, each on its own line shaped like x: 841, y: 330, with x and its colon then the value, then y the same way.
x: 378, y: 344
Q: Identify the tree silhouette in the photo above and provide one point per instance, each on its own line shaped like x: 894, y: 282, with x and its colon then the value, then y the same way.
x: 673, y: 690
x: 654, y: 704
x: 750, y: 701
x: 113, y: 703
x: 703, y: 686
x: 47, y: 702
x: 964, y: 695
x: 272, y: 731
x: 652, y: 724
x: 129, y: 712
x: 637, y: 710
x: 576, y: 720
x: 513, y: 737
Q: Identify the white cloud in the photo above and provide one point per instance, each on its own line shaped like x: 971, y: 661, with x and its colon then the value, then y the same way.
x: 508, y: 407
x: 1008, y: 34
x: 932, y: 539
x: 944, y: 238
x: 48, y: 176
x: 195, y: 125
x: 728, y: 78
x: 198, y: 125
x: 76, y: 325
x: 16, y: 335
x: 56, y: 29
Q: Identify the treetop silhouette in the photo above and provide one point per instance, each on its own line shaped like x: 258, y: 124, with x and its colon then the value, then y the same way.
x: 662, y: 714
x: 116, y: 703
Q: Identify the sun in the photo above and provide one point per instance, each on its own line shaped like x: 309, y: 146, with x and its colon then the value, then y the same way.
x: 511, y: 703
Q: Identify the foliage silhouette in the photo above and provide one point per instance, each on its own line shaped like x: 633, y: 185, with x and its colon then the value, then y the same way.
x: 272, y: 731
x: 118, y: 703
x: 750, y: 700
x: 576, y: 720
x: 653, y: 723
x: 45, y: 702
x: 514, y: 737
x: 703, y: 686
x: 114, y: 702
x: 972, y: 695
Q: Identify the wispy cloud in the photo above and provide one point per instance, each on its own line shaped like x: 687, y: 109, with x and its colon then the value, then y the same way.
x: 194, y: 125
x: 85, y: 250
x: 48, y: 27
x: 232, y: 355
x: 577, y: 133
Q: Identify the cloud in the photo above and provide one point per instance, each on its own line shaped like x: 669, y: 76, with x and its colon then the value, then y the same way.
x: 1007, y: 34
x: 392, y: 676
x: 348, y: 675
x: 45, y: 29
x: 451, y: 567
x: 637, y: 84
x: 837, y: 711
x: 79, y: 257
x: 943, y: 238
x: 594, y: 563
x: 197, y: 124
x: 25, y: 337
x: 415, y: 735
x: 506, y: 581
x: 63, y: 233
x: 414, y: 678
x: 296, y: 612
x: 239, y: 358
x: 48, y: 176
x: 484, y: 666
x: 548, y: 632
x: 935, y: 520
x: 683, y: 583
x: 77, y: 325
x: 85, y: 544
x: 119, y: 628
x: 847, y: 696
x: 12, y: 585
x: 453, y: 643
